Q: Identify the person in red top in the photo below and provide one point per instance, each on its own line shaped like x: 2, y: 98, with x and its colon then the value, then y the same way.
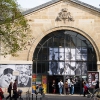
x: 15, y: 90
x: 85, y: 89
x: 1, y: 92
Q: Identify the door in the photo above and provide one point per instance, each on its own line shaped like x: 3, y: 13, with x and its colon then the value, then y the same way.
x: 50, y: 80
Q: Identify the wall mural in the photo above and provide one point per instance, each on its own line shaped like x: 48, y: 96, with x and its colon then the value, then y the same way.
x: 66, y: 61
x: 7, y: 76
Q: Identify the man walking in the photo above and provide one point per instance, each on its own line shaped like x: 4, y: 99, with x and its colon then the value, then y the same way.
x: 15, y: 90
x: 60, y: 85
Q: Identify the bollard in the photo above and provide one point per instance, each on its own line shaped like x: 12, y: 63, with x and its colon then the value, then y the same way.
x: 32, y: 96
x: 36, y: 96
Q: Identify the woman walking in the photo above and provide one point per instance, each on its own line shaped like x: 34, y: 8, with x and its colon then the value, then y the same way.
x: 9, y: 91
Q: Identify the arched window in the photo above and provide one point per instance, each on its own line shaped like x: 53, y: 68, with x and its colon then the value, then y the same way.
x: 64, y: 52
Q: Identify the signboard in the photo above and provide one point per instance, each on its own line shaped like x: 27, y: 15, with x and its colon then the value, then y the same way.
x: 93, y: 77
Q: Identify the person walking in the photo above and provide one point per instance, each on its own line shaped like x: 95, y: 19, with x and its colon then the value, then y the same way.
x: 15, y: 95
x: 54, y: 87
x: 72, y: 87
x: 9, y: 91
x: 66, y: 86
x: 60, y: 85
x: 41, y: 89
x: 85, y: 89
x: 1, y: 94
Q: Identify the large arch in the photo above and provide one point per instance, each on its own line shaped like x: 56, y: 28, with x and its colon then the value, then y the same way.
x: 65, y: 52
x: 37, y: 40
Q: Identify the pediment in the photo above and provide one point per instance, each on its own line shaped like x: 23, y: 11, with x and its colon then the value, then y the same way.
x: 53, y: 2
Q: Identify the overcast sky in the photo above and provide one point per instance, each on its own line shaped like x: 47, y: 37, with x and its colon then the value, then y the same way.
x: 34, y: 3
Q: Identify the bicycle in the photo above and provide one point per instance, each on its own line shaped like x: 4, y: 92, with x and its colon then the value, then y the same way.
x: 95, y: 95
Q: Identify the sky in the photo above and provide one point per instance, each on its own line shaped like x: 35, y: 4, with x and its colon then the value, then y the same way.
x: 33, y: 3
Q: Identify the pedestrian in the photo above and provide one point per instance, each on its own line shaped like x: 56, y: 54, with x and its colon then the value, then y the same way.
x: 41, y: 89
x: 87, y: 85
x: 1, y: 94
x: 54, y: 87
x: 15, y: 94
x: 66, y: 86
x: 9, y: 91
x: 60, y: 85
x: 82, y: 84
x: 97, y: 85
x: 85, y: 89
x: 72, y: 87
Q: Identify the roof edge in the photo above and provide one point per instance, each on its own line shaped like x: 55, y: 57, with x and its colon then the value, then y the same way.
x: 55, y: 1
x: 39, y: 7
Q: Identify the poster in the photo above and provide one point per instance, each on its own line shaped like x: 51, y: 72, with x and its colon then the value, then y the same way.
x: 33, y: 83
x: 38, y: 80
x: 67, y: 61
x: 44, y: 83
x: 7, y: 74
x: 93, y: 77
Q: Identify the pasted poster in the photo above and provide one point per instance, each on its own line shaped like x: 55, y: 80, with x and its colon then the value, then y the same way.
x: 33, y: 83
x: 24, y: 77
x: 93, y: 77
x: 38, y: 80
x: 44, y: 83
x: 60, y: 61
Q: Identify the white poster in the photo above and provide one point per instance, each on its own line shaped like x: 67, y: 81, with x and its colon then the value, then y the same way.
x: 66, y: 61
x: 23, y: 77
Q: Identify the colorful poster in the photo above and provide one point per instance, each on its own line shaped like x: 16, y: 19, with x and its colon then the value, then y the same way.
x: 93, y: 77
x: 33, y: 83
x: 38, y: 80
x: 44, y: 83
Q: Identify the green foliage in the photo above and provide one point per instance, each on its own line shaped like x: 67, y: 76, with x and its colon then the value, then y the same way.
x: 14, y: 30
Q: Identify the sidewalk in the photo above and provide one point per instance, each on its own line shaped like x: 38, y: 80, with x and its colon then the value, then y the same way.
x: 53, y: 97
x: 47, y: 95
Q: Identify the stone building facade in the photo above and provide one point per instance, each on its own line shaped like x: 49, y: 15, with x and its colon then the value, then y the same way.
x: 56, y: 15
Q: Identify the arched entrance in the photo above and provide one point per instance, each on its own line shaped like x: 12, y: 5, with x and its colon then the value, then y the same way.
x: 64, y: 54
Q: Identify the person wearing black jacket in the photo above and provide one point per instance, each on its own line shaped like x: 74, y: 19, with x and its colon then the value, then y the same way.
x: 15, y: 95
x: 9, y: 91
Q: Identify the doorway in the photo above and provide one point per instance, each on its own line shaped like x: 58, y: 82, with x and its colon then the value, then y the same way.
x: 50, y: 80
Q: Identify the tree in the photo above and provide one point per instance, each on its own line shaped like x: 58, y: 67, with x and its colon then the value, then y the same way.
x: 14, y: 30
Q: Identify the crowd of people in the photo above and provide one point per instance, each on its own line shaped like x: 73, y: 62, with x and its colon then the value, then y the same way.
x: 69, y: 87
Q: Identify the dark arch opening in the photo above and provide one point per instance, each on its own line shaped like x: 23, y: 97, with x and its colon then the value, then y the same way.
x: 63, y: 54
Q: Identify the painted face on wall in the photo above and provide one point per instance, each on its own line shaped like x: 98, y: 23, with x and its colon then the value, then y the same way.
x: 24, y: 75
x: 6, y: 79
